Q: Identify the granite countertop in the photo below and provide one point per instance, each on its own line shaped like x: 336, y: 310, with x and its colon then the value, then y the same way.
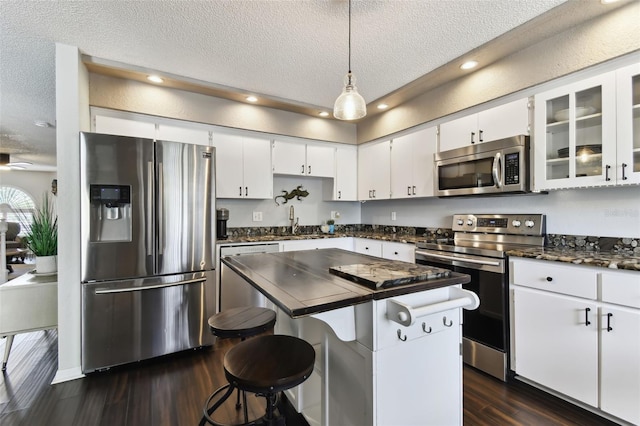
x: 300, y: 283
x: 398, y: 238
x: 601, y: 259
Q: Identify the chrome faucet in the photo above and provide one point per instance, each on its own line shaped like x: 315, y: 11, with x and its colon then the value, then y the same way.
x: 294, y: 220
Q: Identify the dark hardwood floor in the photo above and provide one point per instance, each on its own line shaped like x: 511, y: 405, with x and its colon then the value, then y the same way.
x: 171, y: 391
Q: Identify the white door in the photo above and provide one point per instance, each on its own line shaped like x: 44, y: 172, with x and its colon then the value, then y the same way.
x: 346, y: 180
x: 124, y: 127
x: 620, y: 362
x: 167, y: 132
x: 402, y: 166
x: 229, y: 166
x: 258, y: 178
x: 289, y: 158
x: 504, y: 121
x: 424, y: 146
x: 627, y: 165
x: 556, y: 341
x: 459, y: 132
x: 321, y: 161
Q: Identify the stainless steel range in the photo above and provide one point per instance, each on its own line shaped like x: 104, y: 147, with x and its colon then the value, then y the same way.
x: 479, y: 248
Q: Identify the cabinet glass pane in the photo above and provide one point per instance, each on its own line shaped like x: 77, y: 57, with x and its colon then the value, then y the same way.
x: 558, y: 138
x: 588, y: 116
x: 636, y: 123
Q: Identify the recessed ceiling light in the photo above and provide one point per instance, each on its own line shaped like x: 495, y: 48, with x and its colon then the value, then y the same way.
x: 608, y: 1
x: 252, y: 99
x: 323, y: 114
x: 468, y: 65
x: 155, y: 79
x: 42, y: 123
x: 383, y: 106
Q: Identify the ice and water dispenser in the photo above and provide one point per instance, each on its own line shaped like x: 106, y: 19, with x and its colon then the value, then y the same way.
x: 110, y: 218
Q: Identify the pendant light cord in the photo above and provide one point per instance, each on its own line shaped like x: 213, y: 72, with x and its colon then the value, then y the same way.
x: 349, y: 36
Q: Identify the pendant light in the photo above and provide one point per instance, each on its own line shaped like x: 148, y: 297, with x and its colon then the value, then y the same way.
x: 350, y: 105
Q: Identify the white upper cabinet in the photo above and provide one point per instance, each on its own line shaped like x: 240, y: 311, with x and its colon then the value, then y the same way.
x: 627, y: 166
x: 412, y: 164
x: 243, y: 166
x: 575, y: 134
x: 174, y: 133
x: 124, y: 127
x: 300, y: 159
x: 500, y: 122
x: 346, y: 180
x: 374, y: 170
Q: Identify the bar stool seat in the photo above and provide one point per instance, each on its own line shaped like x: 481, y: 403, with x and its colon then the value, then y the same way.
x: 242, y: 322
x: 266, y: 366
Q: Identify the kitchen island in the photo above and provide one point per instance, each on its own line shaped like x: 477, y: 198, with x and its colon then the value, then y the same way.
x: 385, y: 355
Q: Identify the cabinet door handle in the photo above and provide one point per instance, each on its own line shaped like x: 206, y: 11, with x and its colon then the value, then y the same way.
x: 246, y: 191
x: 395, y: 252
x: 624, y: 166
x: 549, y: 279
x: 370, y: 194
x: 374, y: 193
x: 606, y: 173
x: 609, y: 328
x: 481, y: 136
x: 240, y: 191
x: 408, y: 190
x: 302, y: 171
x: 472, y: 135
x: 414, y: 190
x: 339, y: 195
x: 309, y: 169
x: 586, y: 317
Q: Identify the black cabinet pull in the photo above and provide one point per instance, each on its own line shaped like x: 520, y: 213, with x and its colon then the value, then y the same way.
x: 414, y: 190
x: 472, y: 135
x: 408, y: 190
x: 481, y: 136
x: 609, y: 328
x: 246, y: 191
x: 309, y: 167
x: 339, y: 195
x: 549, y: 279
x: 240, y: 193
x: 369, y: 193
x: 302, y: 171
x: 586, y: 317
x: 624, y: 166
x: 606, y: 173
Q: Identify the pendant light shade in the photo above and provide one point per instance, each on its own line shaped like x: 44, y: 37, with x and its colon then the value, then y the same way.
x: 350, y: 105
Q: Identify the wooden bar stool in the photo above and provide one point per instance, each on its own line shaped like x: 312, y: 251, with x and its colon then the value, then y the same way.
x: 242, y: 322
x: 266, y: 366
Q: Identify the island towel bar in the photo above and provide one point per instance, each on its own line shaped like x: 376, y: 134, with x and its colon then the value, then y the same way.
x: 406, y: 315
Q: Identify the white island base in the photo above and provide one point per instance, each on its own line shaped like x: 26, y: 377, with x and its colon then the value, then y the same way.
x: 371, y: 370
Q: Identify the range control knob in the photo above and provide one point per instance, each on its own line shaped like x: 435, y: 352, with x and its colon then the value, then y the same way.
x: 460, y: 222
x: 516, y: 223
x: 529, y: 223
x: 470, y: 222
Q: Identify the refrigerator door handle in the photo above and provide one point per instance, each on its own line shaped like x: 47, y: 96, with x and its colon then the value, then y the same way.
x: 160, y: 209
x: 149, y: 209
x: 150, y: 287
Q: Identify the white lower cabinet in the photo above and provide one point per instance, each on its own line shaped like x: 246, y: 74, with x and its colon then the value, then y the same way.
x: 576, y: 331
x: 385, y: 249
x: 367, y: 246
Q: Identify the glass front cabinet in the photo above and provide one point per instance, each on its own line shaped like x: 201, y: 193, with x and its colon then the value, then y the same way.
x: 588, y: 133
x: 628, y: 114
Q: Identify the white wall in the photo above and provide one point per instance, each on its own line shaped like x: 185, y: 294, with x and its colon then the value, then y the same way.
x: 603, y: 212
x: 33, y: 183
x: 311, y: 210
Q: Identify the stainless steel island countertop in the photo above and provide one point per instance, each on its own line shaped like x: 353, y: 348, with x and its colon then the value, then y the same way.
x: 299, y: 282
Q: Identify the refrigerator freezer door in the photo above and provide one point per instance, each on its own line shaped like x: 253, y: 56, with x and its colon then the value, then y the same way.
x: 131, y: 320
x: 185, y: 207
x: 117, y: 237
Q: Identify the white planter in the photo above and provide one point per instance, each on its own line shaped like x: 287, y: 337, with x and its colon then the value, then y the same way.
x: 46, y: 264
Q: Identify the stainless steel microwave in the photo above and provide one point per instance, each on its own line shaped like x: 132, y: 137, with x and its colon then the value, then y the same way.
x: 497, y: 167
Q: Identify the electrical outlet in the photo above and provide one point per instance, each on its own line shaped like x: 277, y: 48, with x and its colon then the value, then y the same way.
x: 335, y: 214
x: 393, y: 215
x: 257, y: 216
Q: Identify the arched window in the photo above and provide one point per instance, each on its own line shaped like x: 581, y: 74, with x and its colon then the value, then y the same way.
x: 22, y: 206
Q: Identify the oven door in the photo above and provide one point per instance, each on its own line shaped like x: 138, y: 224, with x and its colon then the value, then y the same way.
x: 485, y: 330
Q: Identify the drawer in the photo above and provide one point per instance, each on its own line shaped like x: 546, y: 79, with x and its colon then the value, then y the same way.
x: 399, y: 251
x: 572, y: 280
x: 621, y: 288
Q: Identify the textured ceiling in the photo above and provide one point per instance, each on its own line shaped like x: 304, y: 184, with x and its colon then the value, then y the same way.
x: 290, y: 50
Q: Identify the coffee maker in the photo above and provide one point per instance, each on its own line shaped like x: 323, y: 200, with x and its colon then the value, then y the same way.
x: 222, y: 216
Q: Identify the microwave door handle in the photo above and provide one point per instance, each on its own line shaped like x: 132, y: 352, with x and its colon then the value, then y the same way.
x: 496, y: 170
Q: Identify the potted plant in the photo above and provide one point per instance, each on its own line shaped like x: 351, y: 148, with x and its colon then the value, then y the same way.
x: 42, y: 238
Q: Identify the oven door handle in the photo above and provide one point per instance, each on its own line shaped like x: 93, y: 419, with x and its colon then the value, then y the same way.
x: 458, y: 258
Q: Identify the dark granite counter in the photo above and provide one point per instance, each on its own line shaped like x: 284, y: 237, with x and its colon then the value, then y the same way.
x: 601, y: 259
x: 398, y: 238
x: 299, y: 282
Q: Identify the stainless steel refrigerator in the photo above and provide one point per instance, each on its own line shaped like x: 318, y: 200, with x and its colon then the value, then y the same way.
x: 147, y: 249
